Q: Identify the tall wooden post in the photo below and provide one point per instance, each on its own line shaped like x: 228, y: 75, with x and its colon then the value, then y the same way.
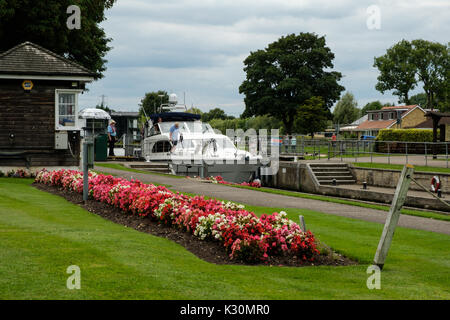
x: 394, y: 215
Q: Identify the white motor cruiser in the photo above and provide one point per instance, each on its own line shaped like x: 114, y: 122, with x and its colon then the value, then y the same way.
x: 200, y: 150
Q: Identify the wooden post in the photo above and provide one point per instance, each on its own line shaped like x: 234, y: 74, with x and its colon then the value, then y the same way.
x: 302, y: 223
x: 85, y: 171
x: 394, y: 215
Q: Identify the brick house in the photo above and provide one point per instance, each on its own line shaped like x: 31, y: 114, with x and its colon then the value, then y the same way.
x: 396, y: 117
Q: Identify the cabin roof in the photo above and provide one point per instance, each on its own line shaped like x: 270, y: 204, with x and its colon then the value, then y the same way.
x: 129, y: 114
x: 31, y: 59
x: 175, y: 116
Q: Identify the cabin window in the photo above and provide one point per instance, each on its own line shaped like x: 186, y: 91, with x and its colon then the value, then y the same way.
x: 161, y: 146
x: 66, y: 109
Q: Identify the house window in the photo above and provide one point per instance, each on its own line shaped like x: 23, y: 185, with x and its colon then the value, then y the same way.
x: 381, y: 116
x: 66, y: 109
x: 391, y: 116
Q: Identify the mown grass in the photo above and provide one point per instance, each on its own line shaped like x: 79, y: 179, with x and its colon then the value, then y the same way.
x: 400, y: 167
x: 42, y: 234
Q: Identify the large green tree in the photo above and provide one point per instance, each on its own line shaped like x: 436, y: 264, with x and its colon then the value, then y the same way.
x: 152, y: 101
x: 286, y: 74
x: 407, y: 64
x: 45, y: 23
x: 312, y: 117
x: 397, y: 71
x: 432, y: 61
x: 346, y: 110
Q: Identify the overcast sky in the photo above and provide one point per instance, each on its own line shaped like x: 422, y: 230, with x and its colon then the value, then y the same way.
x: 197, y: 47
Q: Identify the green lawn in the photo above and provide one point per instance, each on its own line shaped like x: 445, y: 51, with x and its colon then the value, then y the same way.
x: 42, y: 234
x: 400, y: 167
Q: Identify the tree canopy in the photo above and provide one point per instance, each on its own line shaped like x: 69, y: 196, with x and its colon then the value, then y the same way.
x: 105, y: 108
x: 397, y: 71
x: 406, y: 64
x: 257, y: 123
x: 215, y: 113
x: 346, y: 110
x: 420, y: 99
x: 432, y: 61
x: 152, y: 101
x: 286, y: 74
x: 374, y: 105
x: 45, y: 23
x: 195, y: 111
x: 312, y: 117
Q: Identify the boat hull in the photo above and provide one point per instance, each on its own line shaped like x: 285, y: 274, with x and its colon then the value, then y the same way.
x: 236, y: 171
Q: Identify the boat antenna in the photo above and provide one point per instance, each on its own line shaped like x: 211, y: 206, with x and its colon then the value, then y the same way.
x: 145, y: 114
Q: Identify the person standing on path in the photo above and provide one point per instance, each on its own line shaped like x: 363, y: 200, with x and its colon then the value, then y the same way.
x: 112, y: 133
x: 174, y: 135
x: 293, y: 144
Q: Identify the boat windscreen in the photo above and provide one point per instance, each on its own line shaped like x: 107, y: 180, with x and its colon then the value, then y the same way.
x: 165, y: 126
x: 188, y: 126
x: 199, y: 127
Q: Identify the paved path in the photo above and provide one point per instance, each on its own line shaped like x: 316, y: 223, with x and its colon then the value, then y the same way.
x: 257, y: 198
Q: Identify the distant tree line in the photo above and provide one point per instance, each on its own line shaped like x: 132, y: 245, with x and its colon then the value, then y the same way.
x: 290, y: 86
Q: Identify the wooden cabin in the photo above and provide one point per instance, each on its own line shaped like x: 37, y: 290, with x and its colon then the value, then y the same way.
x: 39, y: 125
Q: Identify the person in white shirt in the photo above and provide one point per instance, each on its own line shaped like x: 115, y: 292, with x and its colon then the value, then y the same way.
x: 174, y: 135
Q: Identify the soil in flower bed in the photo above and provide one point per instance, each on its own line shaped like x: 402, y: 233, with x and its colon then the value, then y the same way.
x: 209, y: 251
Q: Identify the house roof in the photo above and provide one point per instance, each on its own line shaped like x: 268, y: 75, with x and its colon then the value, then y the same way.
x: 354, y: 125
x: 398, y: 107
x: 379, y: 124
x: 386, y: 124
x: 31, y: 59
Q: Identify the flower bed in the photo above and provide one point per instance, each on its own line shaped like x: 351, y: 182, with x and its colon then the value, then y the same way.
x: 245, y: 236
x: 220, y: 180
x: 19, y: 173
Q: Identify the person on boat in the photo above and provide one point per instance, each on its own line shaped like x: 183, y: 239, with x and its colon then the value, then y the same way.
x: 156, y: 127
x: 174, y: 135
x: 112, y: 133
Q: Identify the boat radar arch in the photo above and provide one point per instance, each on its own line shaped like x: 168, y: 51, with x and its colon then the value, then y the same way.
x: 173, y: 99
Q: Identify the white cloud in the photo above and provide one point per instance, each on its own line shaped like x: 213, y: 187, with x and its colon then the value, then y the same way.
x: 198, y: 46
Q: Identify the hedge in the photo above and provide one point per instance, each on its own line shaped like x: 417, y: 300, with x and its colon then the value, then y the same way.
x: 408, y: 135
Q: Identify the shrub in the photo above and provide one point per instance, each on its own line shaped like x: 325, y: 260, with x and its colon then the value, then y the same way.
x: 407, y: 135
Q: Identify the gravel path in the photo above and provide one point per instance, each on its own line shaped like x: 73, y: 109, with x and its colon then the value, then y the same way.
x: 257, y: 198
